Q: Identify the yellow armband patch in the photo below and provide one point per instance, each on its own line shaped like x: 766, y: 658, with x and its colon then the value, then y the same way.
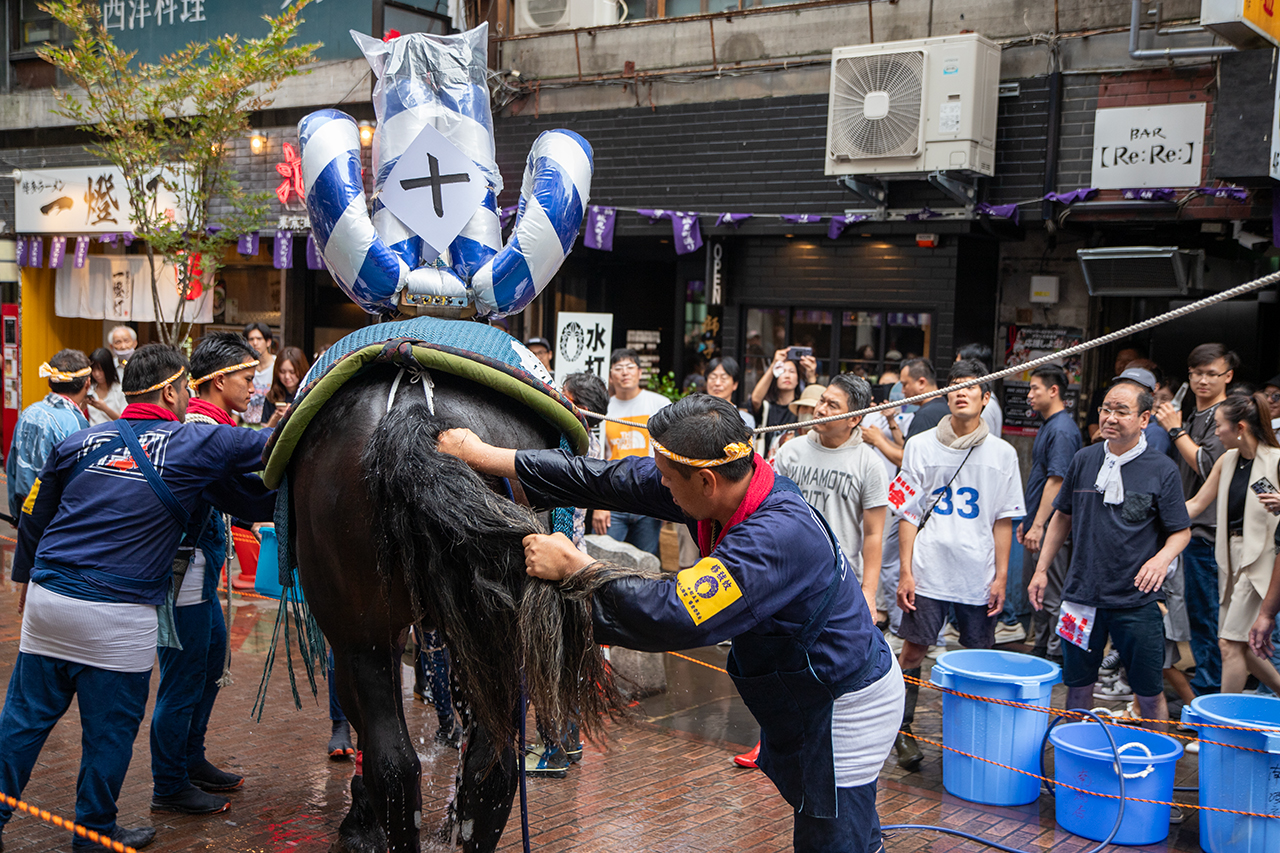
x: 29, y: 505
x: 706, y: 589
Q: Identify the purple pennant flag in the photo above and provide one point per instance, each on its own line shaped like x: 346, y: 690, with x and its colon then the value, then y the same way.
x: 22, y: 248
x: 1083, y: 194
x: 734, y: 219
x: 839, y: 223
x: 600, y: 222
x: 506, y: 215
x: 283, y: 255
x: 1233, y: 193
x: 926, y: 213
x: 35, y: 252
x: 57, y: 252
x: 1148, y: 194
x: 82, y: 252
x: 686, y: 231
x: 314, y: 261
x: 108, y: 238
x: 801, y: 218
x: 248, y: 244
x: 128, y: 237
x: 213, y: 229
x: 1001, y: 211
x: 654, y: 215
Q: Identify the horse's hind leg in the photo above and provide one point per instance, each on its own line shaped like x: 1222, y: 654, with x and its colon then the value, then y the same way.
x: 369, y: 685
x: 485, y: 792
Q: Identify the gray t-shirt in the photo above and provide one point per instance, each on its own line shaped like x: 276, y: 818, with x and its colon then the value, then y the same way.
x: 1200, y: 426
x: 839, y: 482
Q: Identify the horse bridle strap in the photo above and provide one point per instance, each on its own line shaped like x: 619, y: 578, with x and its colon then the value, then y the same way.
x: 420, y: 374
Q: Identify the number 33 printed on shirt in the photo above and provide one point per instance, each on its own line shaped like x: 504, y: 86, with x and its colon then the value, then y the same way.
x: 966, y: 496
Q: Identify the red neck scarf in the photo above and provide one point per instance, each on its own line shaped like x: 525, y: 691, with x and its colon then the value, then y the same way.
x: 147, y: 412
x: 757, y: 490
x: 198, y: 406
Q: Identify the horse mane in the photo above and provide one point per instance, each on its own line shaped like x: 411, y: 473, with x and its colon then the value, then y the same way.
x: 458, y: 548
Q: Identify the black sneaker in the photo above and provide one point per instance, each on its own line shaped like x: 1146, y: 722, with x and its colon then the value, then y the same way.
x: 135, y: 838
x: 450, y: 736
x: 190, y: 801
x: 206, y: 777
x: 547, y: 762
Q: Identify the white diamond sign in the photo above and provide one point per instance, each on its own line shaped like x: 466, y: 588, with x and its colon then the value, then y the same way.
x: 434, y: 188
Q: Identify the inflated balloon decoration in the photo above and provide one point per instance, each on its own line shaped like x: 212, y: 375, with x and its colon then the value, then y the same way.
x: 438, y: 81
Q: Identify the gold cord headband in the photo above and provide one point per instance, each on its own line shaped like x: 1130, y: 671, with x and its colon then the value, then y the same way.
x: 732, y: 453
x: 157, y: 386
x: 196, y: 383
x: 51, y: 372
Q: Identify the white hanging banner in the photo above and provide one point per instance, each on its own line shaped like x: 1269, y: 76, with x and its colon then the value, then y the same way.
x: 583, y: 344
x: 118, y: 288
x: 83, y: 200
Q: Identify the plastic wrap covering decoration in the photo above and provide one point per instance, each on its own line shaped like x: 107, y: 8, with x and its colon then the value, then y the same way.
x: 439, y: 81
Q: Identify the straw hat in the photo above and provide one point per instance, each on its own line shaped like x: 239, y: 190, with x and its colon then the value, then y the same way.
x: 808, y: 398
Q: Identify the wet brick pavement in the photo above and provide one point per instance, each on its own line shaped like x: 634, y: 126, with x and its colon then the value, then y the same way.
x: 663, y: 784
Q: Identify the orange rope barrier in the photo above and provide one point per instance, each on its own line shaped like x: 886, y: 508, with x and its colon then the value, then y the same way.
x: 1085, y: 790
x: 63, y: 823
x: 9, y: 539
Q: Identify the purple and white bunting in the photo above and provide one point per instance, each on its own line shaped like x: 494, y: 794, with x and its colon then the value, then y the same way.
x: 734, y: 219
x: 82, y: 252
x: 1000, y: 211
x: 505, y: 215
x: 283, y: 254
x: 839, y: 223
x: 248, y: 244
x: 1148, y: 194
x: 926, y: 213
x: 1082, y: 194
x: 686, y: 231
x: 1233, y: 193
x: 57, y: 252
x: 599, y: 232
x: 801, y: 218
x: 22, y: 250
x: 35, y: 252
x: 314, y: 260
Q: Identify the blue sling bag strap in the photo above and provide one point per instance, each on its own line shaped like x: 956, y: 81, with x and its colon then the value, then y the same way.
x: 166, y: 496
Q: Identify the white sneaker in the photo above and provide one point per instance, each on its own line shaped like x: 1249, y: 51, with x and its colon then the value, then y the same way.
x: 1010, y: 633
x: 895, y: 642
x: 1110, y: 664
x: 936, y: 652
x: 1117, y: 691
x: 951, y: 632
x: 1191, y: 747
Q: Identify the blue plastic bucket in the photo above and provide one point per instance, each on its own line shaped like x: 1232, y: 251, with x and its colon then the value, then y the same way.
x: 267, y: 580
x: 1000, y: 733
x: 1083, y: 757
x: 1236, y: 778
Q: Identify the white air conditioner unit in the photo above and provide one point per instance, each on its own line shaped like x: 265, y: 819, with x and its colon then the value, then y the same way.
x: 536, y: 16
x: 911, y: 107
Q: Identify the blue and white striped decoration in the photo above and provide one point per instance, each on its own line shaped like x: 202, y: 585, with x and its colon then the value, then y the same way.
x: 439, y: 81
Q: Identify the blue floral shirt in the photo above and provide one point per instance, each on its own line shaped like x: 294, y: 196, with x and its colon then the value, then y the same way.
x: 40, y: 428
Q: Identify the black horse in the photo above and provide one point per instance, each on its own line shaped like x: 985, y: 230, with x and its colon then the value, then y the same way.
x: 388, y: 532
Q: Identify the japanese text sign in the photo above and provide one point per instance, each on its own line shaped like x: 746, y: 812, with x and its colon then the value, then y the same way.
x: 1148, y: 146
x: 81, y: 200
x: 583, y: 344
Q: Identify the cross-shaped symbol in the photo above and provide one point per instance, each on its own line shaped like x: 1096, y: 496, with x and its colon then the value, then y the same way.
x: 435, y: 181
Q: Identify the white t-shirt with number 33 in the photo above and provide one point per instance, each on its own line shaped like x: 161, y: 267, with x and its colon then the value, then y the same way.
x: 954, y: 557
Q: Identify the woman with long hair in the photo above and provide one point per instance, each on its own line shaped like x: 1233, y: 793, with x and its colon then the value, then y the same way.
x: 291, y: 365
x: 260, y: 338
x: 1247, y: 521
x: 778, y: 387
x: 106, y: 398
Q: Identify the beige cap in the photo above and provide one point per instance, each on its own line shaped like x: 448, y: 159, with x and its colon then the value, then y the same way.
x: 808, y: 397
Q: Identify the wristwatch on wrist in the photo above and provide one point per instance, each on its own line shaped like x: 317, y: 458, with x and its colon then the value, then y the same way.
x: 1177, y: 433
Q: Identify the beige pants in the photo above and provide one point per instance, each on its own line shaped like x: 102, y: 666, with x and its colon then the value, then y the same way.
x: 1240, y: 602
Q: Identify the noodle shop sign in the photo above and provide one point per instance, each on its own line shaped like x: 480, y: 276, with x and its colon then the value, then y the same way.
x: 1136, y: 147
x: 83, y: 200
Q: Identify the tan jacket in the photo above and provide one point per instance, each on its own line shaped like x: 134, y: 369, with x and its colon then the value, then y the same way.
x: 1259, y: 524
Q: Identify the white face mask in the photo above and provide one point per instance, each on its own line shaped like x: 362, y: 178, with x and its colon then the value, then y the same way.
x: 123, y: 354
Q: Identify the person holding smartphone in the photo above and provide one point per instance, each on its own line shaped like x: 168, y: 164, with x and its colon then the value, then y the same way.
x: 1243, y: 484
x: 780, y: 385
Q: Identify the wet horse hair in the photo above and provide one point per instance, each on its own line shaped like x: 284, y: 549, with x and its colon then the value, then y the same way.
x: 458, y: 547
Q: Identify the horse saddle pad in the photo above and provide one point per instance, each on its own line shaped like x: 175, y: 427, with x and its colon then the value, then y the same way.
x: 484, y: 354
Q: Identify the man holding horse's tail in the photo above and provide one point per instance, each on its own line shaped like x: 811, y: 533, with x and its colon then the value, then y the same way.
x: 807, y: 658
x: 91, y: 623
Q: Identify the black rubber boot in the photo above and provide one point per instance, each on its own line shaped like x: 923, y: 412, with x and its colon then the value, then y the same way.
x: 909, y: 754
x: 190, y: 801
x: 206, y: 777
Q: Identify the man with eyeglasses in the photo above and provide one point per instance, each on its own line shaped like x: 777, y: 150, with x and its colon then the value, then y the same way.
x: 1121, y: 501
x: 1212, y: 368
x: 629, y: 403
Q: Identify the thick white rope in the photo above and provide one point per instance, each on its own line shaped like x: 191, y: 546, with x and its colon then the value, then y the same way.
x: 1240, y: 290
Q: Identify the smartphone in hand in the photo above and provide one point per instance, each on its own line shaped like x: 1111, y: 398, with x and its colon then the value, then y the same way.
x: 797, y: 353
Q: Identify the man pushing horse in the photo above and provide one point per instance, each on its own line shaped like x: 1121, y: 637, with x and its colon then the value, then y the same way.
x: 807, y: 658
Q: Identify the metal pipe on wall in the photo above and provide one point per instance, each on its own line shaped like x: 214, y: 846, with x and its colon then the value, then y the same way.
x: 1135, y: 52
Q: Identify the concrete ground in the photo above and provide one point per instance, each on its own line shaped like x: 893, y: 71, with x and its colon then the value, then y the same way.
x: 664, y: 782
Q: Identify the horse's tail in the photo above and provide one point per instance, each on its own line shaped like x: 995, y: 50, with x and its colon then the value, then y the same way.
x: 458, y: 547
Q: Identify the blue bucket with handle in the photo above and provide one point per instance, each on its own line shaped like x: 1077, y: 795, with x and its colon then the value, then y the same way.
x: 1010, y: 736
